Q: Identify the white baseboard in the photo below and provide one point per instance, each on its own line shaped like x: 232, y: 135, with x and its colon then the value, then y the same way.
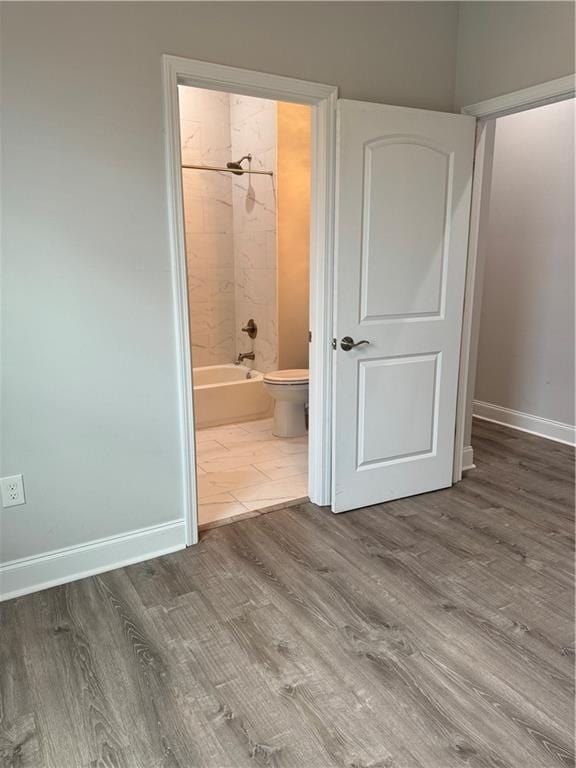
x: 525, y: 422
x: 468, y: 458
x: 31, y: 574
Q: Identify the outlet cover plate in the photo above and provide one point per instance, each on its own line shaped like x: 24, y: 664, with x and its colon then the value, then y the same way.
x: 12, y: 489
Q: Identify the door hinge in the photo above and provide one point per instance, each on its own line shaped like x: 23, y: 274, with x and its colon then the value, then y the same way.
x: 309, y: 336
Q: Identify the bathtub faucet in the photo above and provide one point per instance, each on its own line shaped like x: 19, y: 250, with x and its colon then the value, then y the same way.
x: 244, y: 356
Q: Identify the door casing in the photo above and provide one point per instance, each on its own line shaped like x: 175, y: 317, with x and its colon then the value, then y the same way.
x: 322, y: 99
x: 486, y: 111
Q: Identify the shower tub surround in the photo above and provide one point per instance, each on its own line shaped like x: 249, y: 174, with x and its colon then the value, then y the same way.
x: 230, y: 225
x: 208, y: 224
x: 253, y: 131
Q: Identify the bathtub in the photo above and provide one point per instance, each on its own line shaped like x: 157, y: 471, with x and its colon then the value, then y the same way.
x: 225, y: 394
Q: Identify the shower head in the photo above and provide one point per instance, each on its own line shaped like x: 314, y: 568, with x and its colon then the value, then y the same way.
x: 236, y: 166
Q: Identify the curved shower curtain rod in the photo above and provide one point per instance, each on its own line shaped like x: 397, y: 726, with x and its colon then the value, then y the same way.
x: 234, y: 166
x: 226, y: 170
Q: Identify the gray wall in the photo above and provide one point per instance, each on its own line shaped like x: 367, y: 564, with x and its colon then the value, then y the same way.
x: 506, y: 46
x: 526, y: 349
x: 89, y: 410
x: 89, y: 405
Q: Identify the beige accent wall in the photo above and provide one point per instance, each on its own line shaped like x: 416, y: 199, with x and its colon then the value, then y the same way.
x: 293, y: 190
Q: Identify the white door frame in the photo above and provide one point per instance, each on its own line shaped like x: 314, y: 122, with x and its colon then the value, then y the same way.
x: 216, y: 77
x: 486, y: 111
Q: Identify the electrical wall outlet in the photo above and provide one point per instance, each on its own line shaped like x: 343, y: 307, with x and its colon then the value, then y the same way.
x: 12, y: 491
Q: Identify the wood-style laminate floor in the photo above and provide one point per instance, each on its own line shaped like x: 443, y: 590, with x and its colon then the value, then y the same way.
x: 431, y: 632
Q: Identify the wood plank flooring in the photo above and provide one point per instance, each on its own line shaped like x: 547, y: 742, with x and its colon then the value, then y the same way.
x: 432, y: 632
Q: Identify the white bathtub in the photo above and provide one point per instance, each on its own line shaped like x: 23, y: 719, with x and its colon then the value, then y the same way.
x: 225, y: 394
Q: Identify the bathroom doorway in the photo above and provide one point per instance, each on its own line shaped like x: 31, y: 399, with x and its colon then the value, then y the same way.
x: 246, y: 182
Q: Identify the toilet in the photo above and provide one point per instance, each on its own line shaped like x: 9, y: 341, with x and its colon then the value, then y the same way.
x: 290, y: 392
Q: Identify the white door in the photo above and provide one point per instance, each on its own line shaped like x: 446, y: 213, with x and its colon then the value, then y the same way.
x: 403, y: 204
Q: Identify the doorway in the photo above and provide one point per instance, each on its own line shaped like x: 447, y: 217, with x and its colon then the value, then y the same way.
x: 487, y: 113
x: 246, y: 197
x: 321, y: 99
x: 525, y: 363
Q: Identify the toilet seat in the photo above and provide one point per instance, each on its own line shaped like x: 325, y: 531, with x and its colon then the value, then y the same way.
x: 287, y: 377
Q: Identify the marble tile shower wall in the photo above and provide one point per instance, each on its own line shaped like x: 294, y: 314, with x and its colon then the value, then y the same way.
x: 205, y: 137
x: 253, y: 130
x: 230, y: 224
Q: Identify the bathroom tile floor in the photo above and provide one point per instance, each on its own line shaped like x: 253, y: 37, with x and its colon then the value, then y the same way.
x: 243, y: 469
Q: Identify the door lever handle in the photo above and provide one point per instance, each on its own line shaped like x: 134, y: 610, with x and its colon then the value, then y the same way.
x: 348, y: 343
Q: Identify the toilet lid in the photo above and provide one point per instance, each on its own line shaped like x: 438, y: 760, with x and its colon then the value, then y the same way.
x: 291, y: 376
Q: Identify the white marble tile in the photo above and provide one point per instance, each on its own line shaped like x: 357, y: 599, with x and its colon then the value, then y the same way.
x: 254, y: 208
x: 216, y: 184
x: 193, y: 186
x: 213, y: 483
x: 219, y: 284
x: 285, y: 466
x: 209, y: 450
x: 206, y: 442
x: 293, y: 446
x: 223, y: 335
x: 212, y: 352
x: 218, y: 507
x: 206, y: 184
x: 256, y: 286
x: 193, y: 102
x: 212, y: 316
x: 244, y: 476
x: 231, y: 438
x: 272, y: 492
x: 190, y: 140
x: 216, y: 143
x: 229, y: 461
x: 255, y: 134
x: 193, y: 214
x: 215, y: 433
x: 250, y: 250
x: 208, y: 224
x: 253, y: 450
x: 214, y: 249
x: 199, y: 343
x: 217, y: 215
x: 242, y: 107
x: 269, y: 505
x: 269, y: 159
x: 271, y: 249
x: 260, y: 425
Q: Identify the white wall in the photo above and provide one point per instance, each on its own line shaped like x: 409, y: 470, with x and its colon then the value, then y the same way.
x: 526, y: 348
x: 507, y: 46
x: 89, y: 391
